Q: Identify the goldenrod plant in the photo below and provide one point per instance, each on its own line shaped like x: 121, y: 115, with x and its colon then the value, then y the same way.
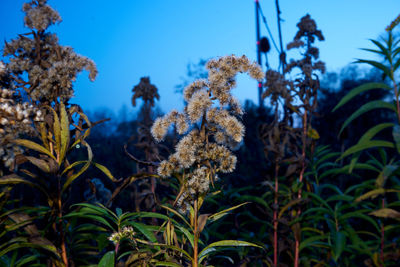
x: 210, y: 133
x: 44, y: 71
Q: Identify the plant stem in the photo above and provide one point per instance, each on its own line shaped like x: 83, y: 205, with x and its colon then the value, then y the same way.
x: 303, y: 167
x: 196, y: 235
x: 276, y: 215
x: 382, y: 237
x: 61, y: 231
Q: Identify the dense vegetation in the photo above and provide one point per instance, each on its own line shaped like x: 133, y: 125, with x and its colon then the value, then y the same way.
x: 312, y: 179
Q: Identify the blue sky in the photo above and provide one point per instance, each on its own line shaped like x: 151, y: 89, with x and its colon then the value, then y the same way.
x: 134, y: 38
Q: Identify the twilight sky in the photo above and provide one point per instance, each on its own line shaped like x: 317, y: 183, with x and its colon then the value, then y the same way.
x: 129, y: 39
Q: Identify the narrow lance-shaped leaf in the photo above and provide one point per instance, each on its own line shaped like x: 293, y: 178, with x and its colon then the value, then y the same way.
x: 65, y: 136
x: 384, y: 174
x: 378, y: 65
x: 56, y: 129
x: 377, y: 104
x: 358, y: 90
x: 108, y: 260
x: 340, y: 243
x: 224, y: 243
x: 82, y: 170
x: 34, y: 146
x: 222, y: 213
x: 104, y: 170
x: 386, y: 213
x: 396, y: 136
x: 364, y: 146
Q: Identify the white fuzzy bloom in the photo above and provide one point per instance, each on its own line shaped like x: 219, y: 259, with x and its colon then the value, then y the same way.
x: 2, y: 68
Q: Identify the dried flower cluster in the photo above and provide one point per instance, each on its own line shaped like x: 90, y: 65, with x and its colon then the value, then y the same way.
x: 213, y: 130
x: 16, y: 119
x: 2, y: 68
x: 126, y: 232
x: 394, y: 23
x: 146, y: 91
x: 38, y: 64
x: 308, y: 31
x: 277, y: 86
x: 39, y: 16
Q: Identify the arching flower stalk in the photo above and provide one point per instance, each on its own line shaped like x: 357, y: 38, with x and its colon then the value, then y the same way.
x: 211, y: 132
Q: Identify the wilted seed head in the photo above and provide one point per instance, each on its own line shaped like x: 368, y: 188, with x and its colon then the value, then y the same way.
x: 47, y: 67
x: 227, y: 163
x: 319, y: 65
x: 393, y: 24
x: 165, y: 168
x: 181, y: 124
x: 308, y: 27
x: 230, y: 124
x: 220, y: 137
x: 234, y: 128
x: 199, y: 182
x: 226, y: 160
x: 236, y: 106
x: 296, y: 43
x: 186, y: 149
x: 160, y: 126
x: 192, y: 88
x: 2, y: 68
x: 198, y: 104
x: 276, y: 84
x: 39, y: 16
x: 145, y: 90
x: 222, y: 73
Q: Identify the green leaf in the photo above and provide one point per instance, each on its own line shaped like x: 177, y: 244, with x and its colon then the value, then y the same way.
x: 32, y: 145
x: 383, y: 49
x: 222, y: 213
x: 340, y: 243
x: 15, y: 179
x: 65, y: 136
x: 82, y: 170
x: 357, y: 214
x: 364, y: 146
x: 225, y: 243
x: 104, y: 170
x: 371, y: 194
x: 376, y: 104
x: 108, y: 260
x: 187, y: 233
x: 290, y: 204
x: 22, y: 242
x: 41, y: 164
x: 374, y: 131
x: 384, y: 174
x: 169, y: 264
x: 56, y: 129
x: 310, y: 241
x: 358, y: 90
x: 378, y: 65
x: 177, y: 214
x: 76, y: 163
x: 396, y: 136
x: 144, y: 229
x: 386, y: 213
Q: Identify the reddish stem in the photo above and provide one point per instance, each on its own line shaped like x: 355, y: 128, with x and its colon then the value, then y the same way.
x: 276, y: 216
x: 303, y: 167
x: 382, y: 236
